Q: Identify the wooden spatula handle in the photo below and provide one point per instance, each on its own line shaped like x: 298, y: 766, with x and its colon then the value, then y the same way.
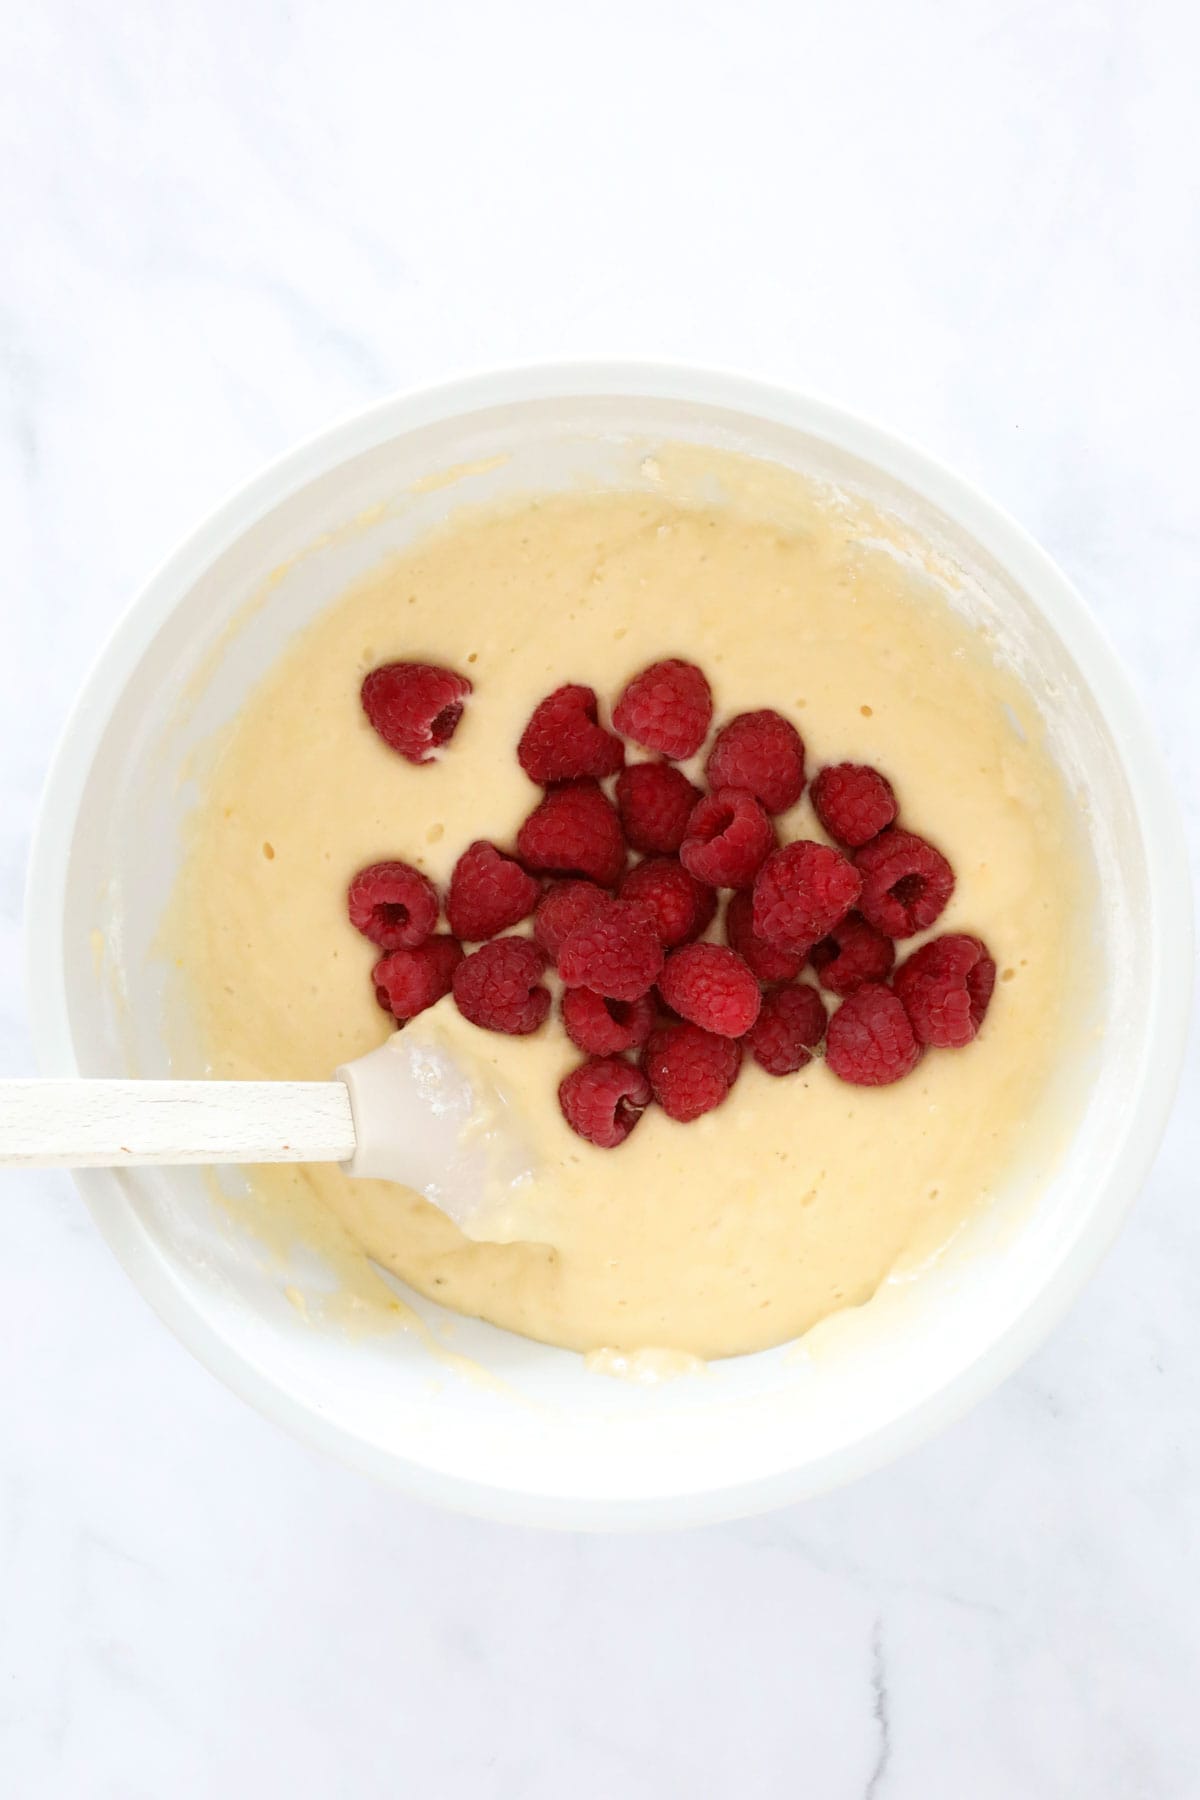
x: 108, y: 1124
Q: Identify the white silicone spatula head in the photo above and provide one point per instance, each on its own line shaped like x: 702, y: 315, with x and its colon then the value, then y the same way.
x: 411, y: 1112
x: 422, y: 1118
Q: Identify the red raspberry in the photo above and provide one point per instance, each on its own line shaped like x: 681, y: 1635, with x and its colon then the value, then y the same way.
x: 766, y: 961
x: 853, y: 802
x: 499, y: 986
x: 606, y: 1027
x: 603, y: 1100
x: 869, y: 1040
x: 563, y: 740
x: 393, y: 905
x: 667, y: 708
x: 790, y: 1025
x: 762, y: 753
x: 853, y: 954
x: 574, y: 831
x: 414, y: 707
x: 489, y: 892
x: 945, y: 987
x: 690, y: 1070
x: 712, y: 987
x: 728, y: 837
x: 617, y: 953
x: 905, y: 883
x: 803, y: 891
x: 655, y: 802
x: 408, y: 981
x: 563, y: 906
x: 681, y: 907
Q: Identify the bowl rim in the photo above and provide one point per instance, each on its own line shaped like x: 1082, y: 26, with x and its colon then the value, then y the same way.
x: 1167, y: 981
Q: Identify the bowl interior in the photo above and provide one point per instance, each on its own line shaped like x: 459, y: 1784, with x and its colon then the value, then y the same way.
x: 518, y: 1428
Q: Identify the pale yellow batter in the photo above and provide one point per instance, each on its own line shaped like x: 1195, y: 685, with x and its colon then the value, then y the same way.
x: 799, y: 1195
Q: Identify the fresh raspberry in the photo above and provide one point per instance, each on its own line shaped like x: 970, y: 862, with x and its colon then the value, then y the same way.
x: 606, y: 1027
x: 489, y: 893
x: 765, y: 961
x: 712, y: 987
x: 681, y: 907
x: 869, y: 1040
x: 574, y: 831
x: 762, y: 753
x: 853, y: 802
x: 690, y: 1070
x: 728, y: 837
x: 655, y: 802
x: 945, y: 987
x: 790, y: 1025
x: 408, y: 981
x: 499, y: 987
x: 563, y: 906
x: 603, y: 1100
x: 802, y: 892
x: 905, y: 883
x: 393, y: 904
x: 667, y: 708
x: 853, y: 954
x: 414, y: 707
x: 617, y: 953
x: 563, y: 740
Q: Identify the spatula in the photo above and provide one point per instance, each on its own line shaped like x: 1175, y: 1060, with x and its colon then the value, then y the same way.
x: 407, y: 1112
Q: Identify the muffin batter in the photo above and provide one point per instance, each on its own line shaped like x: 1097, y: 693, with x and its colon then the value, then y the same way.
x: 796, y: 1197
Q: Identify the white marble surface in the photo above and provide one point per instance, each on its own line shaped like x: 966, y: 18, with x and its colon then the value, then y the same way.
x: 222, y: 225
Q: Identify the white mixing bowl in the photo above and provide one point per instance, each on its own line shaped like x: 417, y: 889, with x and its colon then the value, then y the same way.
x: 538, y: 1438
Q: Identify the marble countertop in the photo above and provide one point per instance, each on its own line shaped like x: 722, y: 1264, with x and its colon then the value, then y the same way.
x: 226, y: 224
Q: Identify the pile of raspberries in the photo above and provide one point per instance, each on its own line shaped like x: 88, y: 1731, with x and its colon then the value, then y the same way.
x: 659, y: 1015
